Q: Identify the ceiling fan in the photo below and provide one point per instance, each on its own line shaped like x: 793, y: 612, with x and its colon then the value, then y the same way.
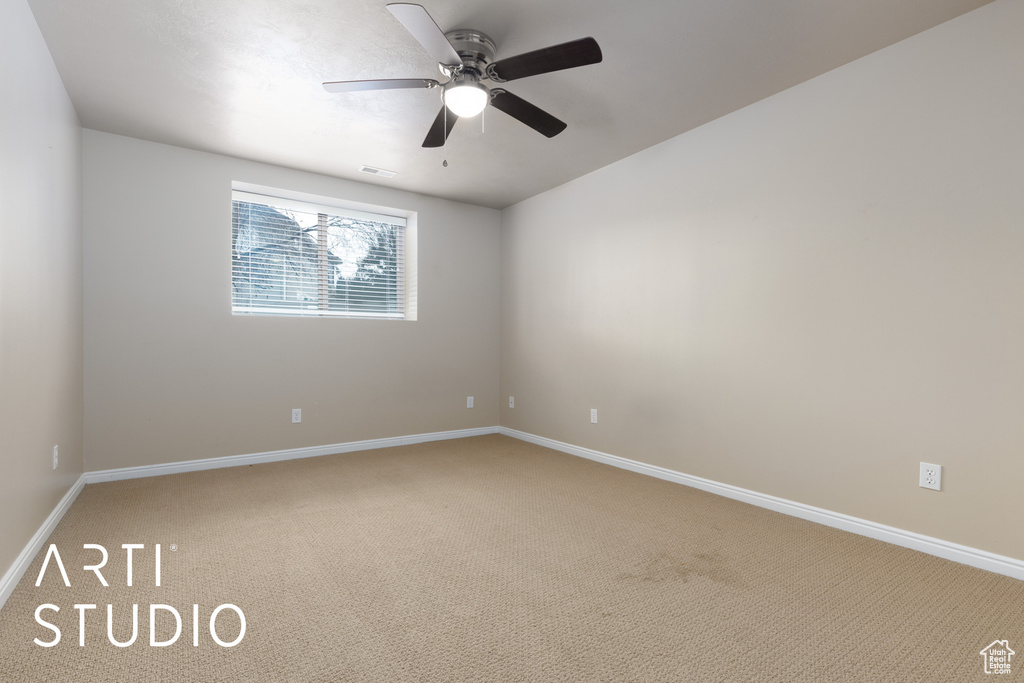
x: 466, y: 59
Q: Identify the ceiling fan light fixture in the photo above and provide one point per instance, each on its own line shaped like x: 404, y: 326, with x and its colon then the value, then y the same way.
x: 465, y: 57
x: 466, y: 99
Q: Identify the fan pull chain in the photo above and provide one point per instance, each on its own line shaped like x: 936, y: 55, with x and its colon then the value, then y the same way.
x: 444, y: 106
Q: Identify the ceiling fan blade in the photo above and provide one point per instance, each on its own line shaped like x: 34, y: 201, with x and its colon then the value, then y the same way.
x: 385, y: 84
x: 521, y: 110
x: 424, y: 29
x: 555, y: 58
x: 439, y: 131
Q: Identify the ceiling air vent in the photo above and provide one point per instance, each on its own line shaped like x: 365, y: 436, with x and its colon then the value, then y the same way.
x: 378, y: 172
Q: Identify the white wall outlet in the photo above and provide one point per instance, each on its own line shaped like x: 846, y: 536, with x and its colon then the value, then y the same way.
x: 931, y: 476
x: 296, y: 415
x: 593, y: 415
x: 469, y: 401
x: 511, y: 401
x: 54, y: 457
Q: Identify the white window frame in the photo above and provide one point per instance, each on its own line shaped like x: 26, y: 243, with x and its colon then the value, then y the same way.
x: 304, y: 202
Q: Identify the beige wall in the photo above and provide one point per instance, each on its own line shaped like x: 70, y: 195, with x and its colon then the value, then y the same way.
x: 171, y: 375
x: 805, y: 298
x: 40, y: 283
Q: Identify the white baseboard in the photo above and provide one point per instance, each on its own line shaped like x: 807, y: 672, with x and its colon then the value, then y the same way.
x: 981, y: 559
x: 28, y: 553
x: 21, y: 564
x: 999, y: 564
x: 276, y: 456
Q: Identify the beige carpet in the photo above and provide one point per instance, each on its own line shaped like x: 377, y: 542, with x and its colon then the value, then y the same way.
x: 489, y: 559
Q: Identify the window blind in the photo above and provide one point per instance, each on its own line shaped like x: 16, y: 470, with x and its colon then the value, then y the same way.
x: 296, y: 258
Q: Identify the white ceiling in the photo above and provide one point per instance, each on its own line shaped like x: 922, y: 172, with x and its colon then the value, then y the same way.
x: 242, y: 77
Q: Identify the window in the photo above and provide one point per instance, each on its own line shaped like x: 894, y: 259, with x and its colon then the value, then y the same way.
x: 291, y: 257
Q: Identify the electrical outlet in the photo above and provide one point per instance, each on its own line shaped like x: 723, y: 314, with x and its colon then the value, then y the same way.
x: 931, y: 476
x: 296, y: 415
x: 593, y: 416
x: 511, y: 401
x: 469, y: 401
x: 54, y: 457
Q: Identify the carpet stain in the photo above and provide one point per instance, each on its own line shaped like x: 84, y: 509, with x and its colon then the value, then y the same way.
x: 665, y: 567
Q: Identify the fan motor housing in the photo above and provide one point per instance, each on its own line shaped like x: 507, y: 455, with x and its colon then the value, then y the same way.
x: 474, y: 47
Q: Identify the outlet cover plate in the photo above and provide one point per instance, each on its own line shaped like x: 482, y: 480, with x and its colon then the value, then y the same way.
x: 931, y: 476
x: 296, y: 415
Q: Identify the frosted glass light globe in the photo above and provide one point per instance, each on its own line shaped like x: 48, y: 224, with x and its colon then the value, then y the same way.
x: 466, y: 100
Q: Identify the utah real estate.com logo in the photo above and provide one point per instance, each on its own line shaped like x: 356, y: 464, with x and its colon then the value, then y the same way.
x: 997, y: 657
